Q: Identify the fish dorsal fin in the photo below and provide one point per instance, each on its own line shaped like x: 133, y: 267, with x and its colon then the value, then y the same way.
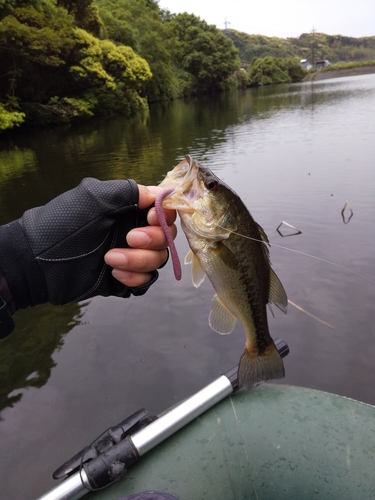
x: 265, y: 240
x: 277, y: 294
x: 263, y: 235
x: 197, y: 272
x: 220, y: 319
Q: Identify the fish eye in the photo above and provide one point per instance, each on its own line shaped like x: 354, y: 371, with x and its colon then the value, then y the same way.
x: 212, y: 185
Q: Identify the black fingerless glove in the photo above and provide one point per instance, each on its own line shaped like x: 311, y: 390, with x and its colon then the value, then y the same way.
x: 55, y: 253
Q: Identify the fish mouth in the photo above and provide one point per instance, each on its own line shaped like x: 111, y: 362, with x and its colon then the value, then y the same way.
x: 181, y: 173
x: 184, y: 178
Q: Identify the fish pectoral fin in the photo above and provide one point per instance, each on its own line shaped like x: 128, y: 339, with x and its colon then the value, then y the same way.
x: 197, y: 271
x: 221, y: 320
x: 189, y: 257
x: 226, y: 255
x: 277, y: 294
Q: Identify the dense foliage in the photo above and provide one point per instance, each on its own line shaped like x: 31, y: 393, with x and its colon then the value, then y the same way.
x: 185, y: 54
x: 206, y: 56
x: 64, y: 60
x: 68, y: 59
x: 268, y: 70
x: 139, y: 25
x: 53, y: 70
x: 335, y: 48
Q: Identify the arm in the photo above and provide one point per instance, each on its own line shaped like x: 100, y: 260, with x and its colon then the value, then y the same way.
x: 55, y: 253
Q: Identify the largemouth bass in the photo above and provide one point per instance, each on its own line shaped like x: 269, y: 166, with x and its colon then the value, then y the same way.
x: 230, y: 248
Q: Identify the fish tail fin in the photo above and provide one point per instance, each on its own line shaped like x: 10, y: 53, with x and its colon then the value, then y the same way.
x: 255, y: 367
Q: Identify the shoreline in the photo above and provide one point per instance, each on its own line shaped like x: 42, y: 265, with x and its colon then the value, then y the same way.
x: 337, y: 73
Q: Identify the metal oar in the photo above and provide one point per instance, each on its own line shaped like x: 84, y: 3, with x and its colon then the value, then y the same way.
x: 107, y: 459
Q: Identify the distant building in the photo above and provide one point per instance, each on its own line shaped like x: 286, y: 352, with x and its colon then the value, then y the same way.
x: 305, y: 64
x: 322, y: 64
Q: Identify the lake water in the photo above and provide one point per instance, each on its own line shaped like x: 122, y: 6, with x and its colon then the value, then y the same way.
x: 294, y: 153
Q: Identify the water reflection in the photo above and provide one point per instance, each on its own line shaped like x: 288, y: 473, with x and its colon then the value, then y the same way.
x: 40, y: 165
x: 26, y: 356
x: 311, y: 95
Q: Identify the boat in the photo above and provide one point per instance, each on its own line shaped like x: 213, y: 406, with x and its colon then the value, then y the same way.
x: 274, y: 442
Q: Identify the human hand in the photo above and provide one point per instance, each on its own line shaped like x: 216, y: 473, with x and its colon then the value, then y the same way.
x: 133, y: 266
x: 55, y: 253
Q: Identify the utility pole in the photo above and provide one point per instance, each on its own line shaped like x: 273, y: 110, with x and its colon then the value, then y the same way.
x: 226, y: 25
x: 313, y: 47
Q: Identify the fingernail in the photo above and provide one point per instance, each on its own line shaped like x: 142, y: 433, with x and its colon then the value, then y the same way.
x: 137, y: 238
x: 116, y: 259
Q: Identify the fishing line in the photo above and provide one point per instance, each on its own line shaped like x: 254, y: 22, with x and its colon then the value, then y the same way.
x: 307, y: 255
x: 325, y: 261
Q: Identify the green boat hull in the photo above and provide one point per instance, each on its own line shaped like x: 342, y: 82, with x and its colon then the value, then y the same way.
x: 275, y: 442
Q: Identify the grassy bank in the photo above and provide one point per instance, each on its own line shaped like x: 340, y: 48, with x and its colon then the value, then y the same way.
x: 342, y: 69
x: 349, y: 65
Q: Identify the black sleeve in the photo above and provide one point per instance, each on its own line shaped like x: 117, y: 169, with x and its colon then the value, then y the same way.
x: 55, y: 253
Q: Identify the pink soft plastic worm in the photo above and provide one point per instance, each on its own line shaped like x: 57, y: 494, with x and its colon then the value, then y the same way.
x: 163, y: 224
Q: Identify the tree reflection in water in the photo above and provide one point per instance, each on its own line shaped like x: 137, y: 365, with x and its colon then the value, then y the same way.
x: 26, y: 356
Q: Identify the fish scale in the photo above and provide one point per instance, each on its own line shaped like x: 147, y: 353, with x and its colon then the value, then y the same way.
x: 253, y: 289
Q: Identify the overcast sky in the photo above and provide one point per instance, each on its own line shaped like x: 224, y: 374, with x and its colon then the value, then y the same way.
x: 283, y: 18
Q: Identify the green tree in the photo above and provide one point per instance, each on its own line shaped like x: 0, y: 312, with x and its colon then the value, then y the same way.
x: 33, y: 46
x: 102, y: 79
x: 269, y: 70
x: 204, y: 52
x: 55, y: 71
x: 293, y: 67
x: 139, y: 24
x: 85, y: 13
x: 7, y: 6
x: 117, y: 27
x: 266, y: 70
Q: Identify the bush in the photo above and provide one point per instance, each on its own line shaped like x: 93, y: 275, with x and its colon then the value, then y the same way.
x: 266, y: 71
x: 269, y: 70
x: 10, y: 119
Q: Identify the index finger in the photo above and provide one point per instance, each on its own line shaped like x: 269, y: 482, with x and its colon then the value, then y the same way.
x: 147, y: 196
x: 169, y: 215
